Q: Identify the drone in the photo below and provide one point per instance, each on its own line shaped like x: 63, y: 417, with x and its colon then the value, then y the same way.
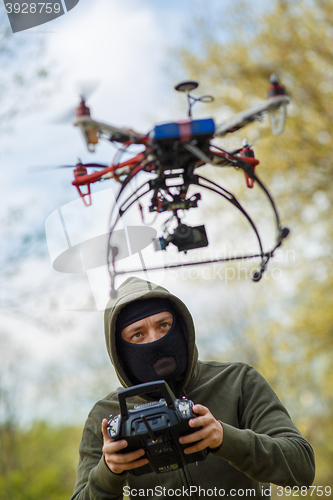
x: 173, y: 153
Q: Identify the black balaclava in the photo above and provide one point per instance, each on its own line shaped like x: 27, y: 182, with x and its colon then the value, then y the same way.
x: 163, y: 359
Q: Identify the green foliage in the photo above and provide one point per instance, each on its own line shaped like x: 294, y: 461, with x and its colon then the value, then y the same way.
x: 38, y: 463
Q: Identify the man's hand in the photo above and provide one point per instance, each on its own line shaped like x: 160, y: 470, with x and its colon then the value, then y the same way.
x: 119, y: 462
x: 211, y: 434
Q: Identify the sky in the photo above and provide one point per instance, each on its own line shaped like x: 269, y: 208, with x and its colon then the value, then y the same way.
x: 124, y: 50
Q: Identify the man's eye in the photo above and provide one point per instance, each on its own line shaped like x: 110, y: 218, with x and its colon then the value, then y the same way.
x: 136, y: 335
x: 165, y: 325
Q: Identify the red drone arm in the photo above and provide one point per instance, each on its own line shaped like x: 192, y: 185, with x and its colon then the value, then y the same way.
x: 82, y: 178
x: 247, y: 156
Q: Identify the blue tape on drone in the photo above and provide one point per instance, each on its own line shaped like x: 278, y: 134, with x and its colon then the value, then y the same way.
x: 172, y: 130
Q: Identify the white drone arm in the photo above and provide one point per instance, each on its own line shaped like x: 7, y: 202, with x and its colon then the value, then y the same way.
x: 90, y: 127
x: 269, y: 106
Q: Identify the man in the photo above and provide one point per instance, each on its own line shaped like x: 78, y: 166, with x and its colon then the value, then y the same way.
x: 251, y: 438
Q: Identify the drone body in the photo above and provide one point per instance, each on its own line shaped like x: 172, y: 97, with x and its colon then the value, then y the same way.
x: 173, y: 152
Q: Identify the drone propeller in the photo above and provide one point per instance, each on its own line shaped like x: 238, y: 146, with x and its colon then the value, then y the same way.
x: 64, y: 118
x: 78, y: 164
x: 245, y: 145
x: 85, y: 90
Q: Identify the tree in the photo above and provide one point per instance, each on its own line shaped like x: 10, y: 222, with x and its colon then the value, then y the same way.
x: 44, y: 466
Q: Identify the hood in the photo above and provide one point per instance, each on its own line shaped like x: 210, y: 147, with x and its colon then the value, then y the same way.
x: 137, y: 289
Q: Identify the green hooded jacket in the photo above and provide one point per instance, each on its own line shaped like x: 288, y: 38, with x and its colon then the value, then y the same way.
x: 261, y: 445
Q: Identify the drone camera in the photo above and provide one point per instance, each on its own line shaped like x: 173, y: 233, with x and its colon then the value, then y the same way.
x: 184, y: 238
